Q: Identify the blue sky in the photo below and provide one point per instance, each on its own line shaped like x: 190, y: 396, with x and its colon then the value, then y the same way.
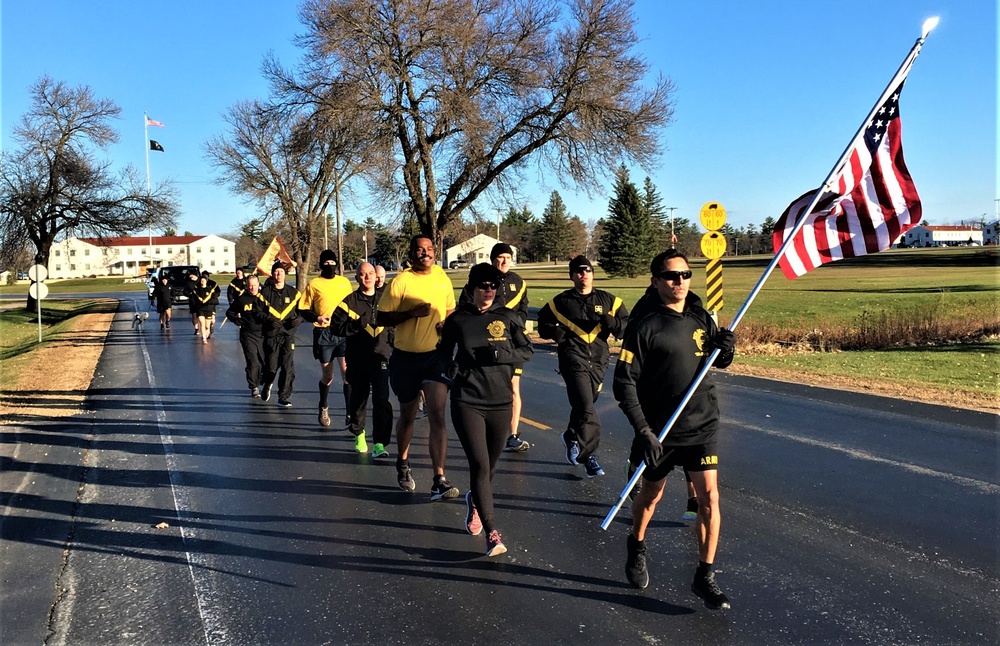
x: 768, y: 93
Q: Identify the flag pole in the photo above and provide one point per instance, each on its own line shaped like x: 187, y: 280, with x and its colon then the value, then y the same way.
x: 149, y: 222
x: 901, y: 73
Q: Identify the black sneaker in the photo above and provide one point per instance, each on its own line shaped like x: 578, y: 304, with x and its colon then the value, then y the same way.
x: 265, y: 393
x: 515, y: 444
x: 404, y: 478
x: 594, y: 470
x: 706, y: 588
x: 442, y: 489
x: 284, y: 403
x: 629, y: 472
x: 168, y: 325
x: 635, y: 563
x: 691, y: 512
x: 572, y: 449
x: 255, y: 393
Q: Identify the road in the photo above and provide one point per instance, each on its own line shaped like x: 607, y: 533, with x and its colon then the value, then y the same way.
x: 178, y: 510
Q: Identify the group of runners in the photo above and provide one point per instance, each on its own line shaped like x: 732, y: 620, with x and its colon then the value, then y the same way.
x: 415, y: 338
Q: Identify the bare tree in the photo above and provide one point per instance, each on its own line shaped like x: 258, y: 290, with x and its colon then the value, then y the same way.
x: 54, y: 184
x: 292, y: 155
x: 471, y: 89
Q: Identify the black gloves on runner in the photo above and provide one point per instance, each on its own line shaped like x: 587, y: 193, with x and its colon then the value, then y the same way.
x: 558, y: 334
x: 652, y: 450
x: 725, y: 340
x: 608, y: 322
x: 485, y: 356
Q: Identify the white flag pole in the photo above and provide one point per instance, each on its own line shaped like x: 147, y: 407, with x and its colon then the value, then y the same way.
x: 897, y: 79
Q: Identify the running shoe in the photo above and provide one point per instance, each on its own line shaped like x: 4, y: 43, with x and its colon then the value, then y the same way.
x: 494, y: 544
x: 442, y: 489
x: 284, y: 403
x: 378, y: 451
x: 629, y: 472
x: 515, y: 444
x: 162, y: 326
x: 706, y: 588
x: 572, y: 449
x: 324, y: 416
x: 265, y: 394
x: 347, y: 423
x: 204, y: 340
x: 692, y: 510
x: 360, y: 443
x: 168, y: 325
x: 255, y: 393
x: 472, y: 522
x: 635, y: 563
x: 404, y: 478
x: 594, y: 470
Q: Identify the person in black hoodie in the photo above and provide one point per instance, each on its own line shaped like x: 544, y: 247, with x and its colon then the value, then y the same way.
x: 660, y: 357
x: 484, y: 346
x: 237, y: 286
x: 368, y: 348
x: 282, y: 303
x: 163, y: 296
x: 248, y: 312
x: 580, y: 320
x: 205, y: 298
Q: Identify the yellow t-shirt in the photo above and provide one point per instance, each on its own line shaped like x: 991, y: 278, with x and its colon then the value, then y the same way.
x: 322, y: 295
x: 408, y: 290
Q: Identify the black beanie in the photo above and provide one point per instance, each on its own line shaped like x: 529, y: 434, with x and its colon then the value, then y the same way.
x: 499, y: 248
x: 326, y: 255
x: 579, y: 261
x: 482, y: 273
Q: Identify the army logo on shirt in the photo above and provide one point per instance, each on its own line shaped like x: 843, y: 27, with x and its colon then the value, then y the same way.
x: 496, y: 330
x: 599, y: 309
x: 699, y: 342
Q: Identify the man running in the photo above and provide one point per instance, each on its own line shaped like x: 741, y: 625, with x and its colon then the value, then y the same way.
x: 164, y: 298
x: 248, y: 312
x: 580, y: 320
x: 322, y: 296
x: 417, y: 302
x: 659, y: 359
x: 279, y: 335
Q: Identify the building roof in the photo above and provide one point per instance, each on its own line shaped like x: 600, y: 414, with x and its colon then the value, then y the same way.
x: 948, y: 227
x: 136, y: 241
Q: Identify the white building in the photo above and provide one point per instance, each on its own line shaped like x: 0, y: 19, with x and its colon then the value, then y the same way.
x: 991, y: 234
x: 474, y: 250
x: 941, y: 236
x: 131, y: 256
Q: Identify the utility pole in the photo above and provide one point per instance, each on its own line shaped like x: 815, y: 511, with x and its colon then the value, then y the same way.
x: 673, y: 238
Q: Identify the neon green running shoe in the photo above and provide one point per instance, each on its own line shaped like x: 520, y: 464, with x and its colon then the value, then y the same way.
x: 360, y: 443
x: 379, y: 451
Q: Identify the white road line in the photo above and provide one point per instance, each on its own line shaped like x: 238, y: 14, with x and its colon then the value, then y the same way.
x: 211, y: 622
x: 980, y: 485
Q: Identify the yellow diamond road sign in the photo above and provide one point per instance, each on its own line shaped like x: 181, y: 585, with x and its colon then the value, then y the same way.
x: 713, y: 216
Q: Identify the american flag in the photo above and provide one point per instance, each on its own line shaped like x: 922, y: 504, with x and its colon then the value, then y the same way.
x: 153, y: 122
x: 869, y: 202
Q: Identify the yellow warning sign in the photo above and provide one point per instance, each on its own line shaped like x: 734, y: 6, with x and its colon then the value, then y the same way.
x: 713, y: 216
x: 713, y: 285
x: 713, y: 245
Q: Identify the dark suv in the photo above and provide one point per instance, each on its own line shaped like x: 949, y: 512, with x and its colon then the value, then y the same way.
x: 177, y: 278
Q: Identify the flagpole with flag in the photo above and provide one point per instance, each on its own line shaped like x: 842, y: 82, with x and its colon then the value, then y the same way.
x: 825, y: 192
x: 146, y: 123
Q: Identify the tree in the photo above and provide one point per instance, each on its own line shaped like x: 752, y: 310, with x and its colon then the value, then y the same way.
x: 653, y: 203
x: 628, y: 241
x: 292, y: 155
x: 54, y: 184
x: 471, y: 90
x: 766, y: 233
x: 554, y: 237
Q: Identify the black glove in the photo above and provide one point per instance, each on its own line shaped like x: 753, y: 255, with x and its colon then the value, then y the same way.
x: 725, y: 340
x: 652, y: 450
x: 485, y: 356
x: 608, y: 322
x: 558, y: 334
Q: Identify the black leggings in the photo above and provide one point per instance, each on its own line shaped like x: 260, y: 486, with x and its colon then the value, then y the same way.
x: 483, y: 434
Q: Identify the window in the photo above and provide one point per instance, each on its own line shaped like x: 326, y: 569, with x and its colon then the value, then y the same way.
x: 87, y: 266
x: 170, y: 249
x: 72, y: 252
x: 211, y: 250
x: 142, y: 252
x: 197, y: 249
x: 58, y: 267
x: 72, y: 267
x: 130, y: 250
x: 58, y: 253
x: 212, y: 263
x: 86, y: 252
x: 157, y: 250
x: 225, y: 263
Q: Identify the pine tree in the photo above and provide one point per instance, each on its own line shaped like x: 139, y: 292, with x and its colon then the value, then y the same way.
x: 554, y: 237
x: 653, y: 204
x: 629, y: 240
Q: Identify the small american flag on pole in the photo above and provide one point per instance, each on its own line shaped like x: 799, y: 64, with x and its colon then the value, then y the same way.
x: 869, y: 202
x: 153, y: 122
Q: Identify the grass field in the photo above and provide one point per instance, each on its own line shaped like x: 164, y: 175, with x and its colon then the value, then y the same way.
x: 925, y: 319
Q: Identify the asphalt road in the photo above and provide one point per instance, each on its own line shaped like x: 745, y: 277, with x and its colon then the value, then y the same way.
x: 846, y: 519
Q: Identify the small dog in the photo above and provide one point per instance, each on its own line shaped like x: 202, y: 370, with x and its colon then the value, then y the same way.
x: 139, y: 319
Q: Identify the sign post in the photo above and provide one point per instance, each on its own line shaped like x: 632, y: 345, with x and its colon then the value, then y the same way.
x: 38, y: 290
x: 713, y: 245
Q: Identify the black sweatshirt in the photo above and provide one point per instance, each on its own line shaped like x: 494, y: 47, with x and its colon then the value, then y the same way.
x: 584, y: 345
x: 660, y: 357
x: 483, y: 348
x: 356, y: 317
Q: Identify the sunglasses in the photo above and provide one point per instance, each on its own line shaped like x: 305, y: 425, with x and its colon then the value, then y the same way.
x: 487, y: 285
x: 675, y: 276
x: 583, y: 270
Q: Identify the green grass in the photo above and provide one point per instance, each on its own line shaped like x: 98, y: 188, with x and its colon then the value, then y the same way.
x: 19, y: 327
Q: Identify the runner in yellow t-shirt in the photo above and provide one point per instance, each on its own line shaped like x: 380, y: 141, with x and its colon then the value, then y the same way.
x: 321, y: 296
x: 416, y: 302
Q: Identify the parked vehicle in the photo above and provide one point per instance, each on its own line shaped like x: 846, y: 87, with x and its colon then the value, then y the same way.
x: 177, y: 278
x: 461, y: 263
